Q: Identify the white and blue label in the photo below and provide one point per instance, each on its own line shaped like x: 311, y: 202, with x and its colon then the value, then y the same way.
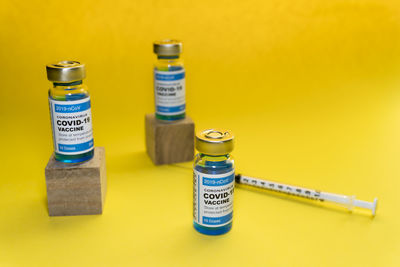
x: 169, y: 91
x: 72, y: 126
x: 213, y: 198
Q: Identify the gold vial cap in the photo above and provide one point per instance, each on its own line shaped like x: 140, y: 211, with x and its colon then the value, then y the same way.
x: 214, y: 142
x: 167, y: 47
x: 66, y: 71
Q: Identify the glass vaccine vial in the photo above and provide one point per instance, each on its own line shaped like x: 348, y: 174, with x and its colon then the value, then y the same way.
x: 169, y: 81
x: 213, y: 182
x: 70, y: 112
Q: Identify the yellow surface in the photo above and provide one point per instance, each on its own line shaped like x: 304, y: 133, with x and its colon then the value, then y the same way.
x: 310, y: 88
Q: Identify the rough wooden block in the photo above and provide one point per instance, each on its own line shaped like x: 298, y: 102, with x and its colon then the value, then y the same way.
x: 76, y: 189
x: 169, y: 142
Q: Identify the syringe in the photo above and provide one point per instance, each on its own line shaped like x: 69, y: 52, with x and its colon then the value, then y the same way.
x: 348, y: 201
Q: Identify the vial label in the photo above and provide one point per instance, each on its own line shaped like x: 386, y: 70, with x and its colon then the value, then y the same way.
x: 213, y: 198
x: 72, y: 126
x: 169, y: 92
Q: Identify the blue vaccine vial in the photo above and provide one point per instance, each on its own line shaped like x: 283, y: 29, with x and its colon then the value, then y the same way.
x: 70, y: 112
x: 169, y: 81
x: 213, y: 182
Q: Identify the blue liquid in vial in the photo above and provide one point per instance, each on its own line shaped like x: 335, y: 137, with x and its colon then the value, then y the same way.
x: 171, y: 117
x: 214, y: 167
x: 80, y: 157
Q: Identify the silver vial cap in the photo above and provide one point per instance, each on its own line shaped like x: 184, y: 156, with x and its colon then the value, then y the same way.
x: 167, y: 47
x: 66, y: 71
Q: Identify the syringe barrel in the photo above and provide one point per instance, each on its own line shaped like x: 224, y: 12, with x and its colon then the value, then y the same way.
x: 279, y: 187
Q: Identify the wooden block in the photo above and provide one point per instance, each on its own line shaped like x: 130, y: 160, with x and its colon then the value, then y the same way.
x: 169, y: 142
x: 76, y: 189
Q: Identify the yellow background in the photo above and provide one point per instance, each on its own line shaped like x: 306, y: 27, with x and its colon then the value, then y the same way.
x: 310, y: 89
